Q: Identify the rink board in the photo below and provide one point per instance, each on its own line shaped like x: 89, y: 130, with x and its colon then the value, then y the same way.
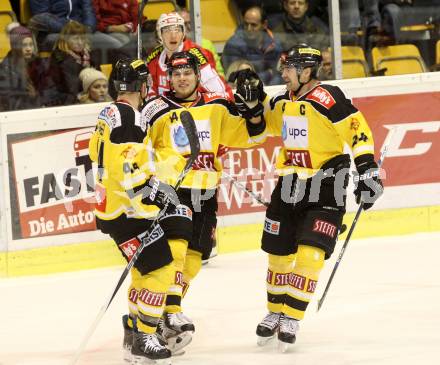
x: 47, y: 182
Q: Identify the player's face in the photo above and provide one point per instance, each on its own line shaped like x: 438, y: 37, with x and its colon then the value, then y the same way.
x: 98, y: 90
x: 172, y: 37
x: 184, y: 82
x: 290, y: 77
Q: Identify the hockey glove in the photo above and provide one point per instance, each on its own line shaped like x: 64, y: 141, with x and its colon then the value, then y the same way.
x: 155, y: 192
x: 249, y: 85
x: 248, y: 110
x: 368, y: 186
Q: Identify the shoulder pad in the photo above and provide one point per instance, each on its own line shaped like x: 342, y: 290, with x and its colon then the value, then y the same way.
x: 280, y: 95
x: 154, y: 53
x: 322, y: 96
x: 111, y: 116
x: 198, y: 53
x: 153, y: 110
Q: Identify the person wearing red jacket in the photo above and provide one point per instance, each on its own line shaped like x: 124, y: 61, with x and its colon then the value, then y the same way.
x: 171, y: 33
x: 117, y: 18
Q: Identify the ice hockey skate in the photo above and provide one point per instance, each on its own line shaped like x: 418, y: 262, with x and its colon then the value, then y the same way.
x: 127, y: 341
x: 147, y: 349
x: 287, y: 332
x: 267, y: 328
x: 176, y: 330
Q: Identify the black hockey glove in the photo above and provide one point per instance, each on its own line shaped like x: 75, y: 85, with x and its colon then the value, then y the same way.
x: 155, y: 192
x: 249, y: 85
x: 248, y: 110
x: 368, y: 186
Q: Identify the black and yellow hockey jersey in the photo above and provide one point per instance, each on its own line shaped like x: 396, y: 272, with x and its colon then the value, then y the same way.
x: 125, y: 161
x: 314, y: 127
x: 217, y: 122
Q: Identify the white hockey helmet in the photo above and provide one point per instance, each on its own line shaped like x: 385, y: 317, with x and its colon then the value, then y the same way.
x: 169, y: 19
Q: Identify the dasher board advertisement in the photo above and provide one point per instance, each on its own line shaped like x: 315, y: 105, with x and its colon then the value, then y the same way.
x: 52, y: 190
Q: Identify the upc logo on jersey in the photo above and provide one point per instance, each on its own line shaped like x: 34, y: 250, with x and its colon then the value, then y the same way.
x: 271, y: 227
x: 129, y: 247
x: 295, y: 132
x: 322, y: 97
x: 324, y: 227
x: 298, y: 158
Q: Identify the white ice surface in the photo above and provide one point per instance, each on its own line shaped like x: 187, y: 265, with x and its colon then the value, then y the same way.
x: 383, y: 308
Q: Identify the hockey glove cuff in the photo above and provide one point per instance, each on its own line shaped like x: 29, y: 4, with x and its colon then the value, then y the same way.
x: 248, y: 110
x: 368, y: 186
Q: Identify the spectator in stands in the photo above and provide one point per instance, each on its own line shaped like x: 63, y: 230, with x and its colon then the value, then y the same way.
x: 22, y: 73
x: 95, y: 86
x: 50, y: 16
x: 117, y: 18
x: 296, y: 27
x: 325, y: 72
x: 235, y: 66
x: 206, y: 43
x: 70, y: 55
x: 253, y: 41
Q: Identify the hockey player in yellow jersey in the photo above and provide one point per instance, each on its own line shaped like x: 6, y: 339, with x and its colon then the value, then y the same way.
x: 308, y: 203
x: 128, y: 196
x: 218, y: 123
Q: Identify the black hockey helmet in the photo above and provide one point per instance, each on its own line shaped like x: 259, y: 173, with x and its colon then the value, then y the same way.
x: 130, y: 74
x: 183, y: 59
x: 301, y: 56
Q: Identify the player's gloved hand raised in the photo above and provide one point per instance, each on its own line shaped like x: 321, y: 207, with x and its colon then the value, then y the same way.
x: 368, y: 186
x: 248, y: 110
x: 249, y: 85
x: 158, y: 193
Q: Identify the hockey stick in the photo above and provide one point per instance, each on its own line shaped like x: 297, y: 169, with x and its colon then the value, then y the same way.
x: 238, y: 184
x: 353, y: 225
x: 191, y: 132
x: 142, y: 5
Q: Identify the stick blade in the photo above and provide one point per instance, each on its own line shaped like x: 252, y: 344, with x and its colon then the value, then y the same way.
x: 191, y: 132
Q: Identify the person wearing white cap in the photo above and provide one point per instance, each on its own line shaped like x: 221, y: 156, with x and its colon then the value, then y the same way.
x: 95, y: 86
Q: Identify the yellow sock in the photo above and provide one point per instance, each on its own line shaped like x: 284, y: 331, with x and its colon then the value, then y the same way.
x: 303, y: 280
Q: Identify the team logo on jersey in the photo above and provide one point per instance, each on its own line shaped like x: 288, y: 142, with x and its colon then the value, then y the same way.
x: 322, y: 97
x: 180, y: 138
x: 271, y: 227
x: 324, y: 227
x: 110, y: 116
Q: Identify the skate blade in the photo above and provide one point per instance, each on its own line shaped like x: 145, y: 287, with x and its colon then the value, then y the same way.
x: 284, y: 346
x: 177, y: 343
x: 263, y: 341
x: 141, y: 360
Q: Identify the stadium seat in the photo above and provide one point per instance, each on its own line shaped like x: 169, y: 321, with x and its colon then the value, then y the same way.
x: 219, y: 19
x: 354, y: 64
x: 106, y: 69
x: 398, y: 59
x: 154, y: 8
x: 437, y: 52
x: 25, y: 11
x: 6, y: 17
